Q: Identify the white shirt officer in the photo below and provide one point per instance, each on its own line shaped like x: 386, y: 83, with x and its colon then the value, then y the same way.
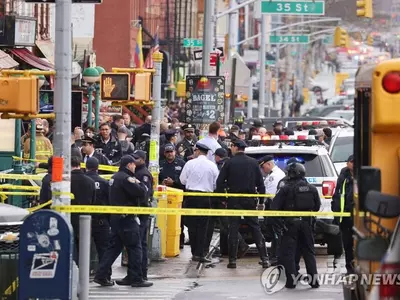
x: 274, y: 174
x: 200, y: 174
x: 212, y: 143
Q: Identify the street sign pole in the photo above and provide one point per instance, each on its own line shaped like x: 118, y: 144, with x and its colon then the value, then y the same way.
x: 261, y: 102
x: 62, y: 102
x: 207, y: 36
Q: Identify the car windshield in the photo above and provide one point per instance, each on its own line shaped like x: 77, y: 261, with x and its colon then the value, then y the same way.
x: 342, y: 149
x: 314, y: 111
x: 312, y: 163
x: 347, y: 115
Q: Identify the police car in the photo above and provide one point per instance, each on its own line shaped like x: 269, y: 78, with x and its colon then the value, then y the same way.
x: 320, y: 172
x: 341, y: 147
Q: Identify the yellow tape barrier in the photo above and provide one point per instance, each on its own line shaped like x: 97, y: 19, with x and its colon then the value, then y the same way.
x: 83, y: 165
x: 227, y: 195
x: 129, y: 210
x: 19, y: 187
x: 35, y: 208
x: 35, y: 177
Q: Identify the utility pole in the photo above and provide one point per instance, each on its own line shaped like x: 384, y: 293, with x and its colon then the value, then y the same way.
x: 231, y: 28
x: 261, y: 102
x: 207, y: 36
x: 62, y: 102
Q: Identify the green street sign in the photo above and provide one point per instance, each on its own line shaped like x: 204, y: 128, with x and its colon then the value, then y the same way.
x: 328, y: 40
x: 293, y: 8
x: 269, y: 62
x: 191, y: 43
x: 289, y: 39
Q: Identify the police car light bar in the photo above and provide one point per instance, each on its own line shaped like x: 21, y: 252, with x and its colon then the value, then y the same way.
x: 320, y: 123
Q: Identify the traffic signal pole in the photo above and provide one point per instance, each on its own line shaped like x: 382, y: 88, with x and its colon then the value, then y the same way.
x: 261, y: 101
x: 62, y: 103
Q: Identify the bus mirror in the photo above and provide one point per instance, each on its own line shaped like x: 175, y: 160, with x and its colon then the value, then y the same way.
x: 369, y: 180
x: 372, y: 249
x: 382, y: 205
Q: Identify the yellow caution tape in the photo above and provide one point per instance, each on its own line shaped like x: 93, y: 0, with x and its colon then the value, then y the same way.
x: 227, y: 195
x: 11, y: 289
x: 35, y: 177
x: 19, y: 187
x: 83, y: 165
x: 128, y: 210
x: 35, y: 208
x: 20, y: 193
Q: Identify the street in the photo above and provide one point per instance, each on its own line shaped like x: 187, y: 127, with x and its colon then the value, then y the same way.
x: 177, y: 278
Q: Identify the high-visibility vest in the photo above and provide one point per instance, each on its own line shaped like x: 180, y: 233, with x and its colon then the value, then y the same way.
x: 342, y: 199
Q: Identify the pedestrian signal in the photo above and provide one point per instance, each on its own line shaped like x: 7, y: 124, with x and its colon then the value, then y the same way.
x: 115, y: 86
x: 19, y: 95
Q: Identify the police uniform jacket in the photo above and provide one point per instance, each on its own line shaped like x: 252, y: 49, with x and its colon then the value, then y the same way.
x: 112, y: 149
x: 297, y: 195
x: 185, y: 148
x: 172, y: 170
x: 100, y: 157
x: 126, y: 190
x: 221, y: 163
x: 241, y: 174
x: 144, y: 176
x: 84, y: 190
x: 102, y: 191
x: 45, y: 189
x: 344, y: 180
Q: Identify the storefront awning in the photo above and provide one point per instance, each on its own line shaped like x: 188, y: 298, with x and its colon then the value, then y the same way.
x: 6, y: 61
x: 47, y: 49
x: 28, y: 57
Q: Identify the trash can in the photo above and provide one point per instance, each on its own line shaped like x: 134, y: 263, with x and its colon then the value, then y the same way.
x: 174, y: 223
x: 9, y: 275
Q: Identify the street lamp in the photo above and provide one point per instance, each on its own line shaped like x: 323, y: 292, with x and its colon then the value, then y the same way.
x: 90, y: 76
x: 101, y: 70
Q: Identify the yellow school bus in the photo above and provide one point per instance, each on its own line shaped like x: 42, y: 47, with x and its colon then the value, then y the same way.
x: 376, y: 157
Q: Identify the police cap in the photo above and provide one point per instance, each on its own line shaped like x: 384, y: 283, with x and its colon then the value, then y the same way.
x: 278, y: 123
x: 265, y: 159
x: 202, y: 147
x: 139, y: 154
x: 239, y: 143
x: 126, y: 160
x: 92, y: 163
x: 170, y: 133
x: 188, y: 127
x: 88, y: 139
x: 294, y: 160
x: 221, y: 152
x: 169, y: 148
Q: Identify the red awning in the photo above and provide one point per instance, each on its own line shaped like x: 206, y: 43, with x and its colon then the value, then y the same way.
x: 28, y: 57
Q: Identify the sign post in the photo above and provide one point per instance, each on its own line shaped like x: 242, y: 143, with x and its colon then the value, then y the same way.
x: 304, y: 8
x: 45, y: 257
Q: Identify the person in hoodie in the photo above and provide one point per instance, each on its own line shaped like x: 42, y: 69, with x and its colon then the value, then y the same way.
x: 343, y: 201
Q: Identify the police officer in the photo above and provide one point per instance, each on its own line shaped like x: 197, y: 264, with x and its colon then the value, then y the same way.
x: 100, y: 222
x: 343, y: 201
x: 297, y: 195
x: 231, y: 178
x: 109, y: 145
x: 126, y: 190
x: 84, y: 190
x: 144, y: 175
x: 186, y: 146
x: 170, y: 169
x: 274, y: 175
x: 89, y: 151
x: 277, y: 222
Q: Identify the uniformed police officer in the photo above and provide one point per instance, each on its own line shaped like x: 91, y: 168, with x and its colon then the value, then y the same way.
x: 186, y: 146
x: 109, y: 145
x: 144, y: 175
x: 170, y: 169
x: 100, y: 222
x: 89, y: 151
x: 281, y: 183
x: 274, y: 175
x: 231, y: 178
x: 126, y: 190
x: 297, y: 195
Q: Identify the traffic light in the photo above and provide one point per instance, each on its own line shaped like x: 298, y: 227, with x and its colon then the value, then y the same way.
x: 19, y: 95
x: 341, y: 38
x: 370, y: 40
x: 364, y: 8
